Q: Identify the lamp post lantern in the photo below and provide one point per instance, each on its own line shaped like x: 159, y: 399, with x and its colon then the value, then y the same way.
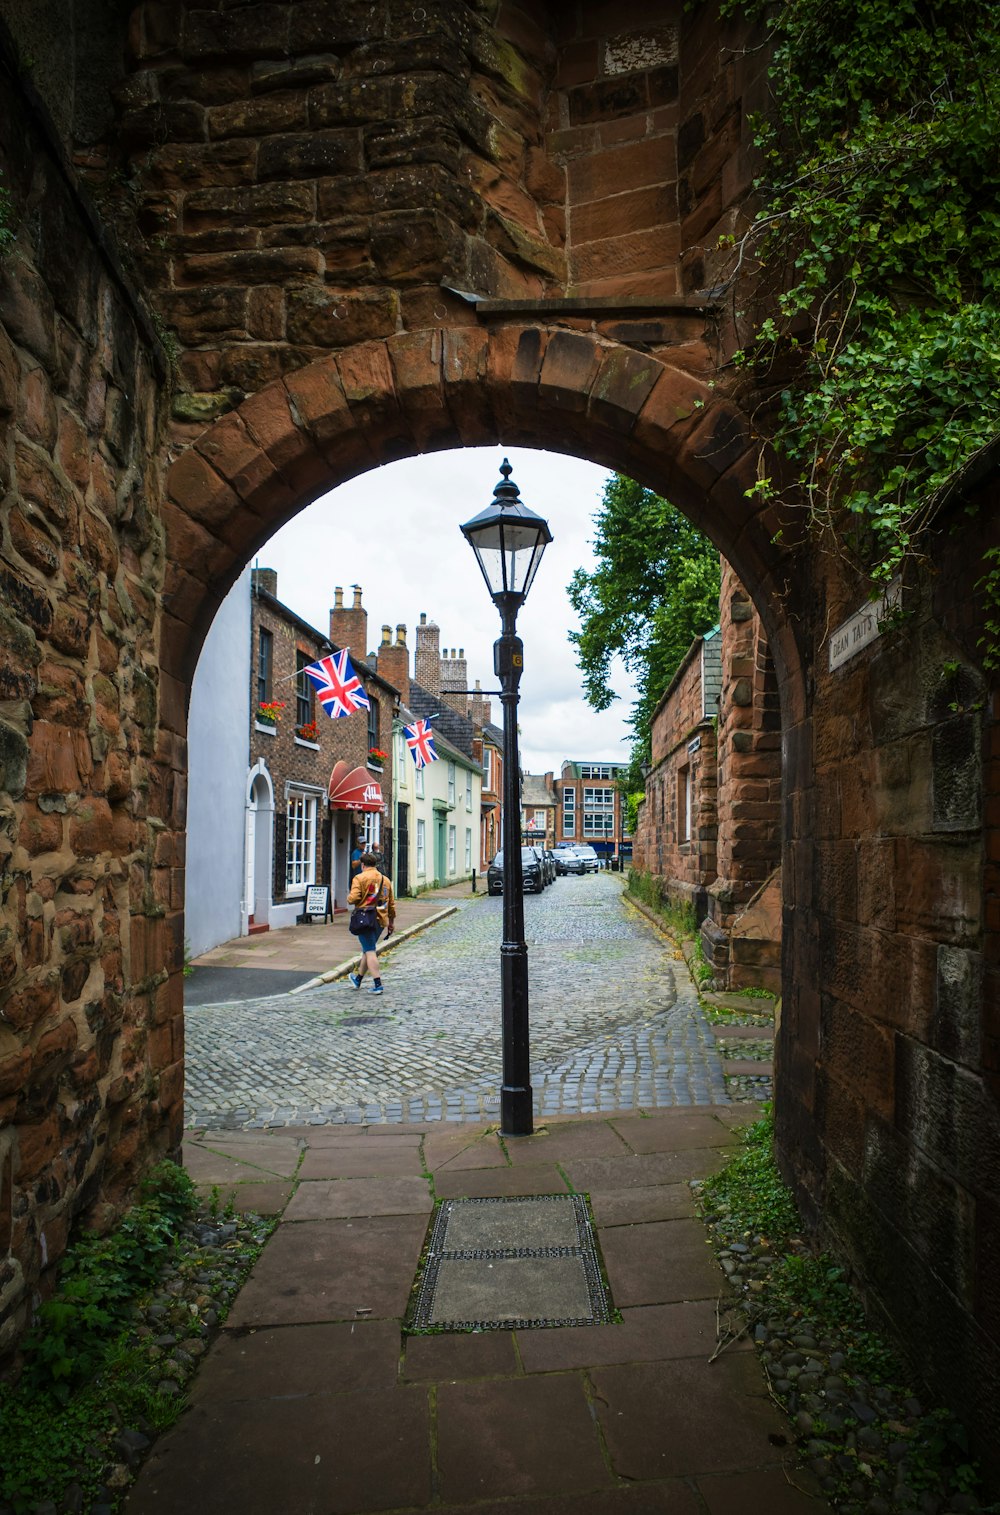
x: 508, y: 540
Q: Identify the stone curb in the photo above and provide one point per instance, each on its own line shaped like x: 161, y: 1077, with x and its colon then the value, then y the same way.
x: 342, y: 969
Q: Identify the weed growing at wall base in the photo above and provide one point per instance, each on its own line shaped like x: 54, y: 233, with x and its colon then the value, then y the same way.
x: 96, y: 1387
x: 862, y: 1431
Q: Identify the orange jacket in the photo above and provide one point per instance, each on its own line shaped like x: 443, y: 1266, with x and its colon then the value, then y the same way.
x: 371, y: 881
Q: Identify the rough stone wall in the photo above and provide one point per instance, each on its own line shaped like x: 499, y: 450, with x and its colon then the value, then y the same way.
x: 887, y: 1052
x: 91, y: 750
x: 311, y: 174
x: 749, y: 789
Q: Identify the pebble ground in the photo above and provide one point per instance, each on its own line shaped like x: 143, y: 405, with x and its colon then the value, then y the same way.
x: 615, y: 1025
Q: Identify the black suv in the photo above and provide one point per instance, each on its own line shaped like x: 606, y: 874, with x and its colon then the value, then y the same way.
x: 531, y: 872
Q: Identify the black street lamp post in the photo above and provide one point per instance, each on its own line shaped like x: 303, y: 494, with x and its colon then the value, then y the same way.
x: 508, y: 540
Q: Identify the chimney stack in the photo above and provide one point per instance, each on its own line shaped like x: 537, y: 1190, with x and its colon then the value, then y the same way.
x: 349, y: 628
x: 455, y: 680
x: 266, y: 579
x: 394, y: 662
x: 427, y: 658
x: 479, y: 708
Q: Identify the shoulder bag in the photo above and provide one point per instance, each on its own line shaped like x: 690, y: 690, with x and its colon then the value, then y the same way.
x: 364, y: 917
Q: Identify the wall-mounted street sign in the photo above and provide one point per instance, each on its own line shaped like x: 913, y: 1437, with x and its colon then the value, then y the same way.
x: 863, y: 626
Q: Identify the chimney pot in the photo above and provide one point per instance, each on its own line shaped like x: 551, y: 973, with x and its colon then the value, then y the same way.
x: 338, y: 598
x: 357, y: 596
x: 423, y: 618
x: 400, y: 635
x: 386, y: 636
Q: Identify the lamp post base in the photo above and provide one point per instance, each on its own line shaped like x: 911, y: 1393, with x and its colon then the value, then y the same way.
x: 516, y: 1111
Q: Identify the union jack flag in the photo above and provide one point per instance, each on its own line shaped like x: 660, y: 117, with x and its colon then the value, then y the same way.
x: 338, y: 688
x: 420, y: 740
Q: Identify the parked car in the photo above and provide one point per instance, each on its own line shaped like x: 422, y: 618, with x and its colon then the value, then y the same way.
x: 531, y: 872
x: 551, y: 864
x: 540, y: 855
x: 591, y: 862
x: 565, y: 855
x: 580, y: 858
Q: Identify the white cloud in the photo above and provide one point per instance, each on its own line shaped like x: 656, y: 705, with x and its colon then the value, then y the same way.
x: 395, y: 531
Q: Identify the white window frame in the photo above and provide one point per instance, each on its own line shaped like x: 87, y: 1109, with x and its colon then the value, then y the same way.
x: 468, y: 788
x: 418, y: 782
x: 402, y: 766
x: 451, y: 783
x: 372, y: 830
x: 569, y: 813
x: 487, y: 767
x: 468, y: 849
x: 301, y: 834
x: 599, y: 812
x: 421, y: 848
x: 452, y: 851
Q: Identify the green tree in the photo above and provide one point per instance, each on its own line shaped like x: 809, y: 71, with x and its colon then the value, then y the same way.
x: 655, y: 588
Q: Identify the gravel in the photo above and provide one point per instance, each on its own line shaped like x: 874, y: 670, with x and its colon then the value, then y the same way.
x: 173, y: 1326
x: 873, y: 1448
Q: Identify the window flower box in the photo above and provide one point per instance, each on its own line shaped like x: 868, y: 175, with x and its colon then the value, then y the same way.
x: 268, y: 712
x: 308, y: 732
x: 376, y: 758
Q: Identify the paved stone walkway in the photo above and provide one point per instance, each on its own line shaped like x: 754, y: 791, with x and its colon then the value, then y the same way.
x: 316, y: 1399
x: 615, y: 1025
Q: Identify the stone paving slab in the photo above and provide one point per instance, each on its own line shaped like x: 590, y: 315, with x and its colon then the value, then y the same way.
x: 277, y: 1362
x: 533, y: 1178
x: 666, y: 1202
x: 268, y: 1198
x: 340, y: 1198
x: 525, y: 1436
x: 652, y: 1333
x: 560, y: 1143
x: 331, y: 1270
x: 594, y: 1174
x: 779, y: 1491
x: 481, y: 1354
x: 677, y: 1132
x: 679, y: 1418
x: 373, y: 1160
x: 674, y: 1498
x: 355, y: 1452
x: 659, y: 1262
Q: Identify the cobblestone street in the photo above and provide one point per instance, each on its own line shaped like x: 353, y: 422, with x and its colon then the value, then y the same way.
x: 615, y: 1025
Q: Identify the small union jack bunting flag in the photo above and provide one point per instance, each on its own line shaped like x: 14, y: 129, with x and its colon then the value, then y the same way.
x: 420, y: 740
x: 338, y: 688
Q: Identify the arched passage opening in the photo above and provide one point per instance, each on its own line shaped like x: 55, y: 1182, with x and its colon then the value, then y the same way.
x: 556, y: 389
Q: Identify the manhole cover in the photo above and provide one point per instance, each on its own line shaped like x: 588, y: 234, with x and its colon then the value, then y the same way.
x: 363, y: 1020
x: 496, y: 1264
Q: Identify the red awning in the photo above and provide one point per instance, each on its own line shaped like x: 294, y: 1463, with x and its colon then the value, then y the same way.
x: 354, y: 789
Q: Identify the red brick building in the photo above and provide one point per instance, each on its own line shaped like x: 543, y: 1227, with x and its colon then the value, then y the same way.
x: 296, y: 834
x: 591, y: 808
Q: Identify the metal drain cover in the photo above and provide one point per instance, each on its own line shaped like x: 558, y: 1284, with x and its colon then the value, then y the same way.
x: 362, y: 1020
x: 496, y: 1264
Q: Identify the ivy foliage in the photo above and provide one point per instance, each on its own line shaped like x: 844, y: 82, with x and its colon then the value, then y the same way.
x: 655, y: 588
x: 880, y: 219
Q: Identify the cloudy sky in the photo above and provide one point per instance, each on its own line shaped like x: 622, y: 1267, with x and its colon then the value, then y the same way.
x: 395, y: 531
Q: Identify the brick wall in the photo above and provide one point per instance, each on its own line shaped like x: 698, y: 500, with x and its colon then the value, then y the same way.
x: 683, y: 743
x: 289, y: 760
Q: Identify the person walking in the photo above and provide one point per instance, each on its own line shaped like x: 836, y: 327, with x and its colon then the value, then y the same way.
x: 371, y: 887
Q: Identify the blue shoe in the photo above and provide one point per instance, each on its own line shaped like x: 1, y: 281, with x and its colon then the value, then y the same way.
x: 355, y: 980
x: 375, y: 989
